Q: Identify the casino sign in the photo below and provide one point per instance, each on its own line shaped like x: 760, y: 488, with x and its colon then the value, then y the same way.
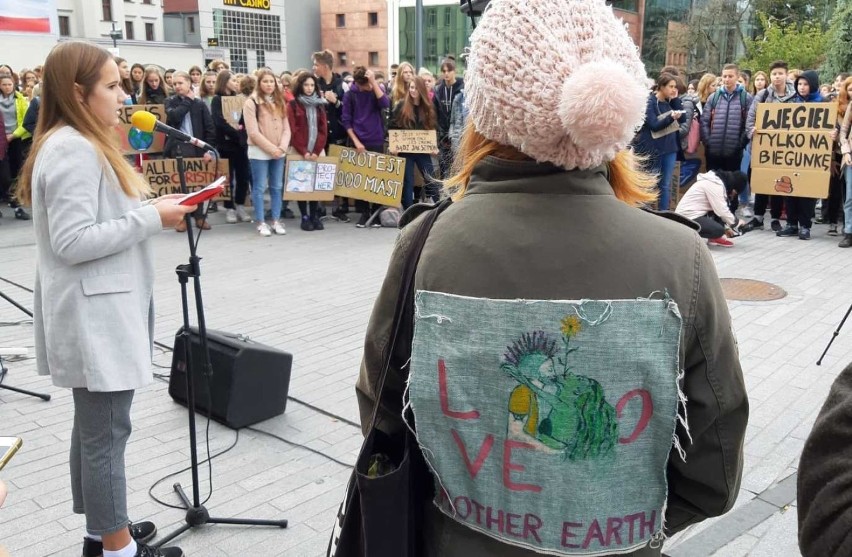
x: 253, y: 4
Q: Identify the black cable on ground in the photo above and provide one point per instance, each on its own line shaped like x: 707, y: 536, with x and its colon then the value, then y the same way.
x: 294, y: 444
x: 165, y: 378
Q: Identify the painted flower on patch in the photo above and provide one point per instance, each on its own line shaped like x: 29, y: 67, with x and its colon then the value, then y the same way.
x: 570, y: 326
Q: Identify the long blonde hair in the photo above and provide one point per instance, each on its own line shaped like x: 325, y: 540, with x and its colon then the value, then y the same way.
x: 703, y: 88
x: 400, y: 87
x: 630, y: 183
x: 80, y: 63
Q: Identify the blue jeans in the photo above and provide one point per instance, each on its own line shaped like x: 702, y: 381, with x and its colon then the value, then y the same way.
x: 847, y: 205
x: 665, y: 164
x: 423, y: 161
x: 745, y: 195
x: 267, y: 174
x: 689, y: 170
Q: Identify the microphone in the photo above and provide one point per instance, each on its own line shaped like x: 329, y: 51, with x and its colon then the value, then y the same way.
x: 147, y: 122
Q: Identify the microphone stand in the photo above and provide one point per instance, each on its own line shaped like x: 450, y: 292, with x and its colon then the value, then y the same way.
x: 4, y: 369
x: 196, y: 513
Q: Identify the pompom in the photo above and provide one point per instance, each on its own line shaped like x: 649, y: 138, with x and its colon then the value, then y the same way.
x: 597, y: 117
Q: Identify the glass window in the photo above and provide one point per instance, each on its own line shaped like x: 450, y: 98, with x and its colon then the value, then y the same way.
x: 341, y: 20
x: 448, y: 17
x: 373, y: 19
x: 64, y: 26
x: 149, y: 32
x: 190, y: 24
x: 239, y: 60
x: 106, y: 5
x: 432, y: 17
x: 147, y: 1
x: 437, y: 42
x: 374, y: 58
x: 128, y: 30
x: 247, y: 31
x: 261, y: 59
x: 342, y: 59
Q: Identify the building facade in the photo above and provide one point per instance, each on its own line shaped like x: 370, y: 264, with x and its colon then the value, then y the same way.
x: 446, y: 30
x: 140, y: 23
x: 356, y: 32
x: 248, y: 34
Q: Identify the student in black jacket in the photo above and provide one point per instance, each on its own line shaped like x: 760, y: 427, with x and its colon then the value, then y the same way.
x: 445, y: 93
x: 330, y: 86
x: 186, y: 112
x: 231, y: 143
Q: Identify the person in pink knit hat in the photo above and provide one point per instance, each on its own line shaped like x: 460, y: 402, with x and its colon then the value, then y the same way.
x: 565, y: 361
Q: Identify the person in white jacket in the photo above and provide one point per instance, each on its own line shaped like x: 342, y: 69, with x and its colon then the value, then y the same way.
x: 706, y: 202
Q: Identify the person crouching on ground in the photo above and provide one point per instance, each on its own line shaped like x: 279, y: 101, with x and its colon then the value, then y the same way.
x: 706, y: 202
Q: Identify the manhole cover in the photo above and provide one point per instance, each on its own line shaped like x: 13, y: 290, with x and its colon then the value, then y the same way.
x: 748, y: 290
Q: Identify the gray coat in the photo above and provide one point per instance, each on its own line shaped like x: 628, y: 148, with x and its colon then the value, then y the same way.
x: 93, y: 304
x: 633, y: 254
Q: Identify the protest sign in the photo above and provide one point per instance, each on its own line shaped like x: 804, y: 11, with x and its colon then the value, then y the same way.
x: 232, y: 109
x: 132, y: 141
x: 791, y: 149
x: 162, y: 175
x: 367, y: 176
x: 412, y: 141
x: 309, y: 180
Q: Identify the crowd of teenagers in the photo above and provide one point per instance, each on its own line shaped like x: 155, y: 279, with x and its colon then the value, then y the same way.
x: 295, y: 113
x: 708, y: 126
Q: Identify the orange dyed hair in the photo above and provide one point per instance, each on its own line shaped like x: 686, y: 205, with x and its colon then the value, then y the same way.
x: 630, y: 183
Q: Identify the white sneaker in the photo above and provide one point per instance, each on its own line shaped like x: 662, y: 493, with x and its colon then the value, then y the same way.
x: 231, y: 216
x: 242, y: 215
x: 264, y: 230
x: 278, y: 228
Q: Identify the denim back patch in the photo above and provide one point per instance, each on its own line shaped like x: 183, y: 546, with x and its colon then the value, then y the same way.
x: 548, y: 424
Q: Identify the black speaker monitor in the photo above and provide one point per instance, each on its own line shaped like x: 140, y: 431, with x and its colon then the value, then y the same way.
x: 249, y: 384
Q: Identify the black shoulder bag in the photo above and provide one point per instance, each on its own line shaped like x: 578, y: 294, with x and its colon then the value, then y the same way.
x: 381, y: 514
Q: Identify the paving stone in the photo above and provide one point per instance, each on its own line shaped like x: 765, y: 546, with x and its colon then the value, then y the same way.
x: 323, y: 326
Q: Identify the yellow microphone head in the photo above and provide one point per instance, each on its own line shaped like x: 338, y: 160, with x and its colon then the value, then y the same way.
x: 143, y: 120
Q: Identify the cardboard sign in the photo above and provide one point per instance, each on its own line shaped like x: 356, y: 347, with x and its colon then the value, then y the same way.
x: 310, y: 180
x: 162, y: 175
x: 412, y: 141
x: 133, y: 141
x: 367, y: 176
x: 232, y: 109
x: 792, y: 149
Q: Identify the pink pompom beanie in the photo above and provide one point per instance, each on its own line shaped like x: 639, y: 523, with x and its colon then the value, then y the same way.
x: 559, y: 80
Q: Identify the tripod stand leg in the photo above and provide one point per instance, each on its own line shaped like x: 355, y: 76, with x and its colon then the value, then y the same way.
x: 249, y: 521
x: 26, y: 392
x: 834, y: 335
x: 173, y: 535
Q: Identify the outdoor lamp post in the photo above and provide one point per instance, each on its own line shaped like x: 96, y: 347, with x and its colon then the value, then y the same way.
x: 114, y: 34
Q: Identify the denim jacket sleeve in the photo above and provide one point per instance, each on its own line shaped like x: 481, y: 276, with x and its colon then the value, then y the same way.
x: 707, y: 483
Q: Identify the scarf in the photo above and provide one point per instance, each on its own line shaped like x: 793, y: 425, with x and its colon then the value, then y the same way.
x: 311, y: 103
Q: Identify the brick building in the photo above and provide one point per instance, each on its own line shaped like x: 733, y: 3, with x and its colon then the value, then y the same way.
x: 357, y: 32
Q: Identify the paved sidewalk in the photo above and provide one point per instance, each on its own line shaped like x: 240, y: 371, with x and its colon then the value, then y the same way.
x: 311, y: 294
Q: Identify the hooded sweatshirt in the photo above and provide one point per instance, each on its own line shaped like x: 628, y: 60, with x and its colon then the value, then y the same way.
x: 707, y: 195
x: 768, y: 95
x: 813, y: 81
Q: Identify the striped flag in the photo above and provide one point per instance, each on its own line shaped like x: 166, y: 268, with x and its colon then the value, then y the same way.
x: 26, y: 16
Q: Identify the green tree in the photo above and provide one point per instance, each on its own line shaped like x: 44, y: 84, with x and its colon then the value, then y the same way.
x: 802, y: 47
x: 839, y: 56
x: 797, y: 12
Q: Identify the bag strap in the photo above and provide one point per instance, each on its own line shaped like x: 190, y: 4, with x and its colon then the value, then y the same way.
x: 404, y: 301
x: 405, y: 298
